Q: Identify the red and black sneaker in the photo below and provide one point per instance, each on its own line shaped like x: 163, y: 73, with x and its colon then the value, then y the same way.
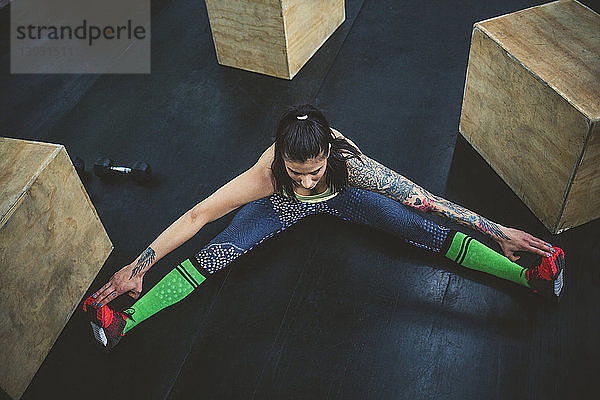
x: 107, y: 324
x: 547, y: 279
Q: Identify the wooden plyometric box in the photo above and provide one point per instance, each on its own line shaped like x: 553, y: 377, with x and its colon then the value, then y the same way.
x: 272, y: 37
x: 531, y: 108
x: 52, y: 245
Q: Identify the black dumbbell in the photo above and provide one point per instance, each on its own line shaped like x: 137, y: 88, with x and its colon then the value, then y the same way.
x: 140, y: 171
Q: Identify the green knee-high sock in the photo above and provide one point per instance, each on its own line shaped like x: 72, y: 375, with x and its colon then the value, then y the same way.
x: 469, y: 253
x: 177, y: 284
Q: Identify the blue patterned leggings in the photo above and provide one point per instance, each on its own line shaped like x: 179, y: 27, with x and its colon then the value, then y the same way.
x: 264, y: 218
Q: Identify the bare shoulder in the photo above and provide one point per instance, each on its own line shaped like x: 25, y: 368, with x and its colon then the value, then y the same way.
x: 266, y: 158
x: 263, y: 169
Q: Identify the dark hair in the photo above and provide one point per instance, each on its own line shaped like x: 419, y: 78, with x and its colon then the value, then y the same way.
x: 299, y: 138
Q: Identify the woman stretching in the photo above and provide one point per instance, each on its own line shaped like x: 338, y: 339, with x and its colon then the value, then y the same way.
x: 313, y: 169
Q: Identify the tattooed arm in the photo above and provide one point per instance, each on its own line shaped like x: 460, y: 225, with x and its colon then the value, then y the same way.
x: 145, y: 261
x: 129, y: 278
x: 252, y: 184
x: 378, y: 178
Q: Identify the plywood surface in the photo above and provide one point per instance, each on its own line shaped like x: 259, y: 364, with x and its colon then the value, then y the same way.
x: 307, y: 26
x: 583, y: 200
x: 530, y: 135
x: 273, y: 37
x: 560, y: 43
x: 20, y: 162
x: 52, y: 245
x: 249, y: 34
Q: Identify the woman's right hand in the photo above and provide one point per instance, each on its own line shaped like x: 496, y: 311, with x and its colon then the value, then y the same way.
x: 121, y: 282
x: 516, y: 240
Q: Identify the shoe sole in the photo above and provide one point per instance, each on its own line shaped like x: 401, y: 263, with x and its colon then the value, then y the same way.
x: 99, y: 335
x: 559, y: 279
x: 101, y: 339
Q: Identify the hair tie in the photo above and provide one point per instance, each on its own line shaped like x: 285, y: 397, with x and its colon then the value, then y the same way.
x: 302, y: 117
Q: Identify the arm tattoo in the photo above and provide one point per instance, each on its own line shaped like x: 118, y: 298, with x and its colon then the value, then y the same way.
x: 457, y: 213
x: 146, y: 259
x: 377, y: 178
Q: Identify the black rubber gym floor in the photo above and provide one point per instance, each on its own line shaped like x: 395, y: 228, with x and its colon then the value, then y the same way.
x: 326, y: 310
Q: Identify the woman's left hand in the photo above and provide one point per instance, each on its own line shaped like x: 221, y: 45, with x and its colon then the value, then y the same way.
x: 521, y: 241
